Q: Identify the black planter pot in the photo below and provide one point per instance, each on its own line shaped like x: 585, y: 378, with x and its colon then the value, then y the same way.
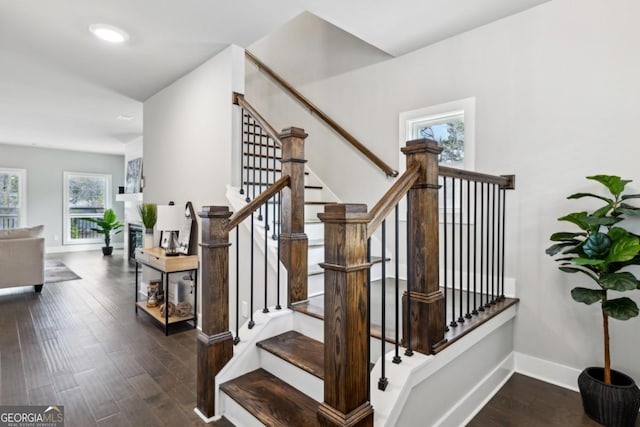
x: 107, y: 250
x: 615, y: 404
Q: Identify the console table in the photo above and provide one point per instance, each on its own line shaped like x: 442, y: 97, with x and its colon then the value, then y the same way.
x: 156, y: 259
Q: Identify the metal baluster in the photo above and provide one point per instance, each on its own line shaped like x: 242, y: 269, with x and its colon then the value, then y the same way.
x: 242, y: 150
x: 260, y: 173
x: 396, y: 357
x: 487, y: 303
x: 275, y: 146
x: 265, y: 309
x: 369, y: 313
x: 481, y: 307
x: 251, y: 322
x: 475, y: 245
x: 453, y: 323
x: 383, y: 381
x: 278, y: 306
x: 446, y: 290
x: 245, y: 153
x: 493, y: 247
x: 408, y: 352
x: 253, y: 184
x: 468, y: 314
x: 461, y: 318
x: 236, y: 340
x: 504, y: 210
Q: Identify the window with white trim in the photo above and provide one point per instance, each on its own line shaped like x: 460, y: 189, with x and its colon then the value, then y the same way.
x: 13, y: 198
x: 86, y: 195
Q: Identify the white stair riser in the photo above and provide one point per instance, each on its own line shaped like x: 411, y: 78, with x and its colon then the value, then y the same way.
x: 309, y: 326
x: 309, y: 384
x: 236, y: 413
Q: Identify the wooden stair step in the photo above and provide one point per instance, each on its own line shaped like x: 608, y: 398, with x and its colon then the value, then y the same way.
x: 299, y: 350
x: 272, y: 401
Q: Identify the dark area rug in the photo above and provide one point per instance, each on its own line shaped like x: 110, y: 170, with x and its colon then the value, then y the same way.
x: 56, y: 271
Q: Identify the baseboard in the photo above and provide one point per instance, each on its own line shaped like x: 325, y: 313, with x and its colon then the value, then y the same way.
x: 547, y: 371
x: 204, y: 418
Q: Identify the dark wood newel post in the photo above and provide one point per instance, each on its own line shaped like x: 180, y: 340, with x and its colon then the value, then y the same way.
x: 215, y: 343
x: 293, y: 240
x: 346, y: 400
x: 427, y: 308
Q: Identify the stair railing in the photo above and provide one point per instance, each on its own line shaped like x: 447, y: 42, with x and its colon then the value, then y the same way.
x: 215, y: 341
x: 313, y: 109
x: 421, y: 315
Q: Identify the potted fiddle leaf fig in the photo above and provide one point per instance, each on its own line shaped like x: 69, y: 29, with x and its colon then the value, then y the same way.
x: 108, y: 225
x: 601, y: 250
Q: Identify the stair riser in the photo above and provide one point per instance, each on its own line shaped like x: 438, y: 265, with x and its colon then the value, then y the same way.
x: 310, y: 385
x: 236, y: 413
x: 309, y: 326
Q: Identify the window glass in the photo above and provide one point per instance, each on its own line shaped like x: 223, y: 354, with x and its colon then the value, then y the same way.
x: 12, y: 198
x: 86, y: 196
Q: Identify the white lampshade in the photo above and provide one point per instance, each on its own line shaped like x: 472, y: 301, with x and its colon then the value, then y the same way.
x: 170, y: 218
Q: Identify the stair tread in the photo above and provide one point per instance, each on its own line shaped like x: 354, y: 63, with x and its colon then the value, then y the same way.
x: 299, y: 350
x: 272, y: 401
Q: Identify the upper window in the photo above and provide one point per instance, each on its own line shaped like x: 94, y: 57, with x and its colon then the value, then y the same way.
x: 86, y: 195
x: 13, y: 198
x: 452, y: 125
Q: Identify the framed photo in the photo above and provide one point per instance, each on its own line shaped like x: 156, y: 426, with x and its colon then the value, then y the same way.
x: 134, y: 176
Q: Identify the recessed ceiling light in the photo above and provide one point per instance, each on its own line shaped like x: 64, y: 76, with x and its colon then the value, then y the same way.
x: 125, y: 117
x: 109, y: 33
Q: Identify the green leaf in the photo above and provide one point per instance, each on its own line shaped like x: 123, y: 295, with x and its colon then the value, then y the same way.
x: 619, y: 281
x: 587, y: 296
x: 602, y: 211
x: 630, y: 196
x: 620, y: 308
x: 623, y: 249
x: 614, y: 184
x: 606, y: 220
x: 581, y: 195
x: 588, y: 261
x: 597, y: 245
x: 578, y: 270
x: 617, y: 233
x: 554, y: 249
x: 576, y: 218
x: 628, y: 210
x: 563, y: 236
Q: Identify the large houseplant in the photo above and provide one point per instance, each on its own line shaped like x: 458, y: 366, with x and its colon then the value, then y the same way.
x: 107, y: 226
x: 601, y: 250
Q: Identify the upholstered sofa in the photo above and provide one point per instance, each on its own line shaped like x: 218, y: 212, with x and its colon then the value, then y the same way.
x: 22, y: 257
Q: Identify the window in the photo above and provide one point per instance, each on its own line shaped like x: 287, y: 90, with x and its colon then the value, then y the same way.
x: 452, y: 125
x: 13, y: 198
x: 86, y: 195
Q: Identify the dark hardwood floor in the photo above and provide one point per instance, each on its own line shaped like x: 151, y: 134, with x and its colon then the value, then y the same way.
x: 80, y: 344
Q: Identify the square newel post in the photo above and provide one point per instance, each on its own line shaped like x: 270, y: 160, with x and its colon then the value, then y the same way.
x: 426, y: 303
x: 346, y: 364
x: 293, y: 240
x: 215, y: 343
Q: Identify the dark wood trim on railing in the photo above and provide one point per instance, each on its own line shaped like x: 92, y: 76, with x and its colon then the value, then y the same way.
x: 392, y: 197
x: 505, y: 181
x: 238, y: 99
x: 388, y: 170
x: 260, y: 200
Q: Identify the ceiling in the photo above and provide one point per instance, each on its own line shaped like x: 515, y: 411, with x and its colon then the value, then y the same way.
x: 62, y: 88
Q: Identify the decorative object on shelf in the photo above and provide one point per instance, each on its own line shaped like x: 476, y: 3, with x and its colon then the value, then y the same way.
x: 149, y: 215
x: 121, y: 189
x: 600, y: 250
x: 184, y: 236
x: 152, y: 294
x: 107, y: 226
x: 183, y: 309
x: 134, y: 175
x: 170, y: 219
x: 172, y: 309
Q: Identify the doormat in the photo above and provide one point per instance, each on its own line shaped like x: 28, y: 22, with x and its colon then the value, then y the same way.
x: 56, y: 271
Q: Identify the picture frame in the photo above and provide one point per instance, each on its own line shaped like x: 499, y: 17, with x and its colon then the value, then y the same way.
x: 133, y: 182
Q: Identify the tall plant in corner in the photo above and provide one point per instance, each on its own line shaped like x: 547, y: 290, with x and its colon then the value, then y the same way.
x: 601, y: 250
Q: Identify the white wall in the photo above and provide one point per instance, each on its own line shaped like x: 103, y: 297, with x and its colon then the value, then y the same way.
x: 188, y: 134
x: 45, y: 184
x: 557, y: 93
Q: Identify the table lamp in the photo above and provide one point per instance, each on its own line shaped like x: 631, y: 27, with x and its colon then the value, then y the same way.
x: 170, y: 219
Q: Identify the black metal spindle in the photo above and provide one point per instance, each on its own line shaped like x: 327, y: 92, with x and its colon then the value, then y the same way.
x: 383, y: 381
x: 396, y: 357
x: 453, y: 323
x: 408, y: 352
x: 493, y: 247
x: 245, y: 154
x: 369, y: 313
x: 481, y: 307
x: 253, y: 163
x: 275, y: 146
x: 236, y: 340
x: 260, y: 157
x: 278, y: 306
x: 468, y: 314
x: 460, y: 259
x: 265, y: 309
x: 251, y: 322
x: 487, y: 303
x: 445, y: 226
x: 475, y: 246
x: 242, y: 150
x: 504, y: 209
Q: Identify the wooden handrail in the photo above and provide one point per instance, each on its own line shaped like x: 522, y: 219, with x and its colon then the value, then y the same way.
x: 505, y: 181
x: 323, y: 116
x: 238, y: 99
x: 260, y: 200
x: 392, y: 197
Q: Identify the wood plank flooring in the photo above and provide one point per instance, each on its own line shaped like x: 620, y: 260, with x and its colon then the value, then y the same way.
x: 80, y: 344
